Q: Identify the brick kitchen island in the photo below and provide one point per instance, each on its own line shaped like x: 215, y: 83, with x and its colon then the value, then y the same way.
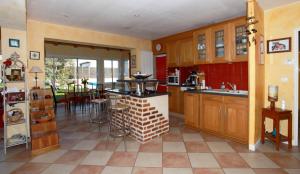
x: 148, y: 115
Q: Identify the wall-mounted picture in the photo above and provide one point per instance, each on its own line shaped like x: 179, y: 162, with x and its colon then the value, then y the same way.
x: 14, y: 43
x: 133, y: 61
x: 279, y: 45
x: 34, y: 55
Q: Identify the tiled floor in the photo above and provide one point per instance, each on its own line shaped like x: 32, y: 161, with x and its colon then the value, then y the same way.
x: 85, y: 150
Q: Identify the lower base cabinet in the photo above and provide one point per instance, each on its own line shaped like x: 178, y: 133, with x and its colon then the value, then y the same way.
x: 225, y: 116
x: 191, y: 110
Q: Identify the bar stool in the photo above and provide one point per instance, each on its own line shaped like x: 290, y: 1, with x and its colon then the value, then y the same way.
x: 98, y: 110
x: 119, y: 125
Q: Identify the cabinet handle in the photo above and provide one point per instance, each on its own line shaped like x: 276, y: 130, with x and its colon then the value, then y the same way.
x: 220, y: 110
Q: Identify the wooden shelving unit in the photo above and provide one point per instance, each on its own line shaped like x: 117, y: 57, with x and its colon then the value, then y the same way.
x: 44, y: 136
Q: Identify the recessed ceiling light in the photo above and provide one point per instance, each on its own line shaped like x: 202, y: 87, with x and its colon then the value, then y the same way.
x: 65, y: 15
x: 137, y: 15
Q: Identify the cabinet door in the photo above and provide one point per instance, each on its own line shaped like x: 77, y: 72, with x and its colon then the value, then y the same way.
x: 239, y: 50
x: 202, y: 46
x: 172, y: 56
x: 212, y: 113
x: 181, y: 102
x: 173, y: 98
x: 220, y: 48
x: 236, y: 118
x: 186, y: 56
x: 191, y: 110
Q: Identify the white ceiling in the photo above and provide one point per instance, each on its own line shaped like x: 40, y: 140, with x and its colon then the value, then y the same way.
x: 13, y: 14
x: 269, y: 4
x: 148, y: 19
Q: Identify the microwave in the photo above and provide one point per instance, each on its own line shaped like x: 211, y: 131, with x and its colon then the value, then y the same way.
x: 173, y: 80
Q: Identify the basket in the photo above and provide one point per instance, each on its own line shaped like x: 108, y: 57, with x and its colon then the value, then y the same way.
x: 15, y: 115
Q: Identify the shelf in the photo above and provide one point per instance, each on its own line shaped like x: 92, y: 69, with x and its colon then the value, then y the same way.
x: 15, y: 123
x: 18, y: 81
x: 271, y: 137
x: 15, y: 102
x: 15, y: 144
x: 41, y: 134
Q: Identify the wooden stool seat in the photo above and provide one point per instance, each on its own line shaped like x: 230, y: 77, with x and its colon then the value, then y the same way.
x: 277, y: 115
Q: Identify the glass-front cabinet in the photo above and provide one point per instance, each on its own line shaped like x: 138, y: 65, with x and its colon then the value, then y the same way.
x: 240, y: 46
x: 220, y: 43
x: 202, y: 46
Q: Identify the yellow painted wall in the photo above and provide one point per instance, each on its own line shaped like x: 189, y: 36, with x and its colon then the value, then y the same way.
x: 281, y: 22
x: 38, y: 31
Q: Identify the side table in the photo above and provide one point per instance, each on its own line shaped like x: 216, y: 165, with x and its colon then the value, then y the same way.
x: 277, y: 115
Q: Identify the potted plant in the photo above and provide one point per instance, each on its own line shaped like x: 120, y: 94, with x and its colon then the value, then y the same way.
x: 84, y: 81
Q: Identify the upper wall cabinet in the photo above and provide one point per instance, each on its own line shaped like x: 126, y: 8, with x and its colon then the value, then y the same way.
x: 172, y: 54
x: 238, y: 40
x: 202, y: 46
x: 220, y: 40
x: 185, y: 48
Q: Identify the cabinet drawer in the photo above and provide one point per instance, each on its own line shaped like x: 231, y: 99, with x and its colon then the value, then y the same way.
x: 213, y: 97
x: 235, y: 100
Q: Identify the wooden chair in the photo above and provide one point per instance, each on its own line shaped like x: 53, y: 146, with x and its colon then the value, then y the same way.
x: 64, y: 100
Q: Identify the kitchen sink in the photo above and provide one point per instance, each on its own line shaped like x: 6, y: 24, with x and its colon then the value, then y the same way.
x: 222, y: 91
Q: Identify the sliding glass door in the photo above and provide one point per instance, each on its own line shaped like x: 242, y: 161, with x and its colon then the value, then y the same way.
x: 60, y: 72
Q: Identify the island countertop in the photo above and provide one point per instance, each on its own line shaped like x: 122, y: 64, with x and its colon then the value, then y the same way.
x: 130, y: 93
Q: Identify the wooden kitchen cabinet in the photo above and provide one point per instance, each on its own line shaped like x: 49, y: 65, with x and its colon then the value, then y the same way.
x: 186, y: 56
x: 211, y: 116
x: 175, y: 99
x: 172, y: 54
x: 220, y: 43
x: 202, y: 46
x: 192, y: 109
x: 238, y: 40
x: 236, y: 118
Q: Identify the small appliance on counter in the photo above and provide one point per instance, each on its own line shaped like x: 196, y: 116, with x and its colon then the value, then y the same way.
x: 174, y: 78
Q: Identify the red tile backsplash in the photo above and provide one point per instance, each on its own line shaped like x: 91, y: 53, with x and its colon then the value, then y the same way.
x: 215, y: 74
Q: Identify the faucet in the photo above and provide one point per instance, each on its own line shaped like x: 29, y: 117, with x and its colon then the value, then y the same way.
x: 232, y: 86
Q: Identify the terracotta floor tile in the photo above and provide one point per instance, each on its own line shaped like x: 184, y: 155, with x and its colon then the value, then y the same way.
x: 208, y: 171
x: 116, y: 170
x: 99, y: 158
x: 238, y: 171
x: 177, y: 160
x: 269, y: 171
x: 68, y: 143
x: 72, y: 157
x: 230, y: 160
x: 172, y: 137
x: 174, y: 147
x: 146, y: 170
x: 188, y: 137
x: 196, y: 147
x: 87, y: 169
x: 240, y: 147
x: 86, y: 145
x: 31, y: 168
x: 203, y: 160
x: 96, y: 136
x: 284, y: 160
x: 108, y: 146
x: 59, y: 168
x: 220, y: 147
x: 177, y: 171
x: 122, y: 159
x: 8, y: 167
x: 24, y: 156
x: 258, y: 160
x: 146, y: 159
x: 151, y: 147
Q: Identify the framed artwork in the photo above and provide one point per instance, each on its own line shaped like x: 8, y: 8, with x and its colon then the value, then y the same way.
x: 14, y: 43
x: 279, y: 45
x: 34, y: 55
x: 133, y: 61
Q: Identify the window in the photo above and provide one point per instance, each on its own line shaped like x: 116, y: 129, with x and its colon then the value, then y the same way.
x: 126, y: 69
x: 60, y: 72
x: 111, y: 71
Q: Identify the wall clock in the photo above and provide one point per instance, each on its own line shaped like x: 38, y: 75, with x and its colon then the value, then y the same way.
x: 158, y: 47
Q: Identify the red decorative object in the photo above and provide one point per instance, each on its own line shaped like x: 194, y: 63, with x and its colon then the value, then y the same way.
x: 7, y: 63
